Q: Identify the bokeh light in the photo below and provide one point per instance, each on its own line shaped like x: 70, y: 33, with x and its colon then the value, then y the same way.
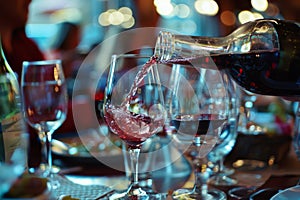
x: 206, y: 7
x: 164, y: 7
x: 272, y: 10
x: 228, y: 18
x: 182, y: 10
x: 247, y: 16
x: 121, y: 17
x: 260, y: 5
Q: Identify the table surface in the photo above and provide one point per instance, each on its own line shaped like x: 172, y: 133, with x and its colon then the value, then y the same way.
x: 279, y: 176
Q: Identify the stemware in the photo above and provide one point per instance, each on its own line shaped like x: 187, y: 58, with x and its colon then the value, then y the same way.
x: 198, y: 109
x: 134, y: 108
x: 226, y: 141
x: 44, y: 104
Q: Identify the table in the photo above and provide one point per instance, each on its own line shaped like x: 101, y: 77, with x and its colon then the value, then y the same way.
x: 279, y: 176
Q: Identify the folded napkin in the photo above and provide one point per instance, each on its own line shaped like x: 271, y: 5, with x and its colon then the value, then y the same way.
x: 67, y: 187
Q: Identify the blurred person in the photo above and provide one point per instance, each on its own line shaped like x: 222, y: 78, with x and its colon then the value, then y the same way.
x: 17, y: 48
x: 65, y: 47
x: 16, y: 45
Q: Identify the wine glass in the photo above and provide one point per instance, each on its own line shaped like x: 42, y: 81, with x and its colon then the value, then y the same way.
x: 226, y: 142
x: 198, y: 107
x: 134, y: 108
x: 44, y: 104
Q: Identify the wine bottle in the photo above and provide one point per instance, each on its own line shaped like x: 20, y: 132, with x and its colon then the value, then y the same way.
x: 262, y: 56
x: 11, y: 121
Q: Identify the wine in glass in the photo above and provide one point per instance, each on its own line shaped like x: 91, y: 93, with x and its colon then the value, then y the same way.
x: 198, y: 109
x: 45, y: 103
x: 134, y: 108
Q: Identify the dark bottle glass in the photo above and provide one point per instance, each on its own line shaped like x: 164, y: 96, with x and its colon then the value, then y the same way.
x: 11, y: 120
x: 262, y: 56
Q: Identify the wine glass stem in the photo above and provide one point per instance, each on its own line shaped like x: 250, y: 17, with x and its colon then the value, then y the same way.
x: 220, y: 163
x: 201, y: 177
x: 46, y: 148
x: 134, y: 158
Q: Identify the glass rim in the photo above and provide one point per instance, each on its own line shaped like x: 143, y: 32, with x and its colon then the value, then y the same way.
x: 131, y: 55
x: 41, y: 62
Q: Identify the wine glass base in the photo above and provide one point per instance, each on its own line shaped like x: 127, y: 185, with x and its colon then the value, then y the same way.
x: 220, y: 180
x: 228, y: 171
x: 43, y: 170
x: 140, y: 194
x: 241, y: 192
x: 212, y: 194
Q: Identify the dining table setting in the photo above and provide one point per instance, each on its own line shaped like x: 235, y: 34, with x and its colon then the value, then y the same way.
x: 90, y: 176
x: 158, y: 125
x: 177, y: 153
x: 87, y: 176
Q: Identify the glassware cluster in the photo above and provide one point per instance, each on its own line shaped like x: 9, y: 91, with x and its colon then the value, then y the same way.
x: 261, y: 56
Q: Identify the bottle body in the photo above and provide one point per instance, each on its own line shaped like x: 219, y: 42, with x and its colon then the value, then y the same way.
x: 262, y: 56
x: 11, y: 121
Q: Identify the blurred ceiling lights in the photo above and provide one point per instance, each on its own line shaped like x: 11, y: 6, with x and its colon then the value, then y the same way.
x: 260, y: 5
x: 164, y: 7
x: 206, y: 7
x: 121, y: 17
x: 247, y: 16
x: 228, y: 18
x: 167, y: 8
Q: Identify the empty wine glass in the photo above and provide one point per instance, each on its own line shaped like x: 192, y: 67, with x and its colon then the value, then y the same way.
x: 45, y: 103
x: 134, y: 108
x: 226, y: 141
x: 198, y: 107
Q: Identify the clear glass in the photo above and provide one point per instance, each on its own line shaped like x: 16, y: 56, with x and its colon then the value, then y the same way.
x: 134, y: 108
x: 198, y: 107
x: 259, y: 55
x: 44, y: 103
x: 226, y: 142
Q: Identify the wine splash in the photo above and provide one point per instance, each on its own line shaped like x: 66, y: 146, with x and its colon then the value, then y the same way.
x: 135, y: 128
x: 138, y: 79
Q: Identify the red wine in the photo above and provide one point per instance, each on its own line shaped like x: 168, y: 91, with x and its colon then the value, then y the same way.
x: 49, y: 110
x: 131, y: 127
x: 275, y: 72
x: 258, y: 72
x: 197, y: 124
x: 134, y: 128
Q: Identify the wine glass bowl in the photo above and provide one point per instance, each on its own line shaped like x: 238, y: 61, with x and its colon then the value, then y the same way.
x: 134, y: 107
x: 45, y: 102
x: 198, y: 108
x: 226, y: 141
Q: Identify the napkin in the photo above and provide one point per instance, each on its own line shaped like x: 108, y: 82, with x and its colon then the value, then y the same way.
x: 67, y: 187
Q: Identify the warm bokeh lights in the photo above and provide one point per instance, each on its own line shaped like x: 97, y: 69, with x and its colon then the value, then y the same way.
x: 259, y: 5
x: 246, y: 16
x: 228, y: 18
x: 121, y: 17
x: 206, y: 7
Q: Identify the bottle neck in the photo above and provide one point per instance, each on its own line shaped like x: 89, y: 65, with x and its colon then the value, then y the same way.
x: 4, y: 66
x: 173, y: 47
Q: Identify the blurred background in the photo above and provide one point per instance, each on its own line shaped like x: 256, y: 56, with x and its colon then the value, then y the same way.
x: 97, y: 19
